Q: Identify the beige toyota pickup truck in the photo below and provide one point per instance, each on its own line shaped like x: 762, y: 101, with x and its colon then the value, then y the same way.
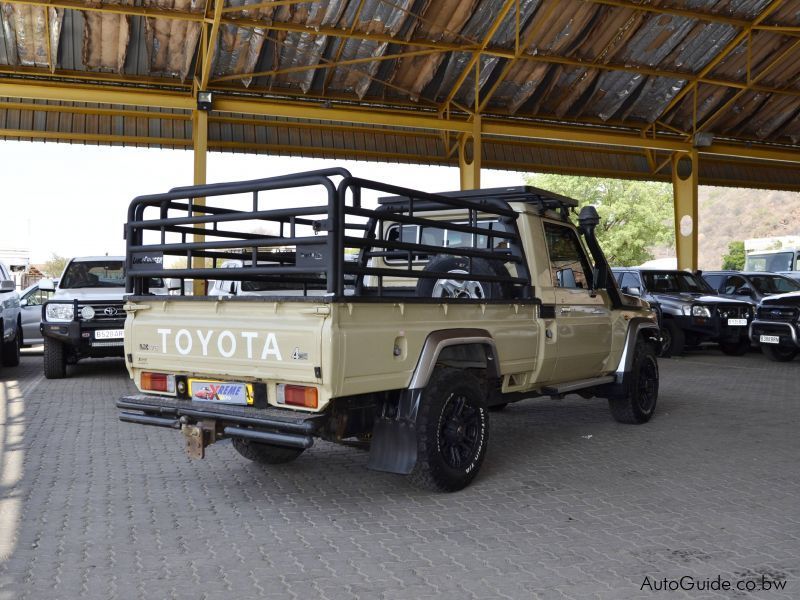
x: 363, y: 312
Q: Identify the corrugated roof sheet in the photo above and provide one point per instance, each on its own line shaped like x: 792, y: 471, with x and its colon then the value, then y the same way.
x: 627, y: 65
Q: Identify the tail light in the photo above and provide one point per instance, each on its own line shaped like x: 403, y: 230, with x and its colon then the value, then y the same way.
x: 157, y: 382
x: 297, y: 395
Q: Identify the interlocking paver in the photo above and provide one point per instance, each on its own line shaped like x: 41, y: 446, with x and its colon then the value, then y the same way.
x: 569, y: 504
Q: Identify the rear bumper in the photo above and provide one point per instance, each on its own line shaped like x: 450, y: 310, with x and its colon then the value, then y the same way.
x: 281, y: 427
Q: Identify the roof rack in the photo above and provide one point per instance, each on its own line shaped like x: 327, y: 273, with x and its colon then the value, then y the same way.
x: 528, y: 194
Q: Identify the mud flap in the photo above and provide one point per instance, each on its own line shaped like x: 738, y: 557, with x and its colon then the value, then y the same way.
x: 394, y: 436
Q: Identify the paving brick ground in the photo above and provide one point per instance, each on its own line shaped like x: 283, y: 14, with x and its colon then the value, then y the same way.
x: 569, y: 504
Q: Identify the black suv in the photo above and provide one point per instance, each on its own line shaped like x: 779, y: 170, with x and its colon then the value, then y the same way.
x: 690, y: 311
x: 752, y: 286
x: 777, y: 326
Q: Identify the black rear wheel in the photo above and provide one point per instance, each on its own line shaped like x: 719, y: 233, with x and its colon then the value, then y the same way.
x: 452, y: 432
x: 11, y: 349
x: 779, y: 353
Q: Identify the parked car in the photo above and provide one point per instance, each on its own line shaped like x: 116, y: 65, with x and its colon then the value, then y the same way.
x: 777, y: 326
x: 84, y: 318
x: 30, y: 301
x: 749, y: 286
x: 691, y: 312
x: 10, y: 321
x: 414, y: 368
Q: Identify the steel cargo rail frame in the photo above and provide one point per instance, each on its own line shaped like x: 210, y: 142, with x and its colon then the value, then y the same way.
x: 315, y: 261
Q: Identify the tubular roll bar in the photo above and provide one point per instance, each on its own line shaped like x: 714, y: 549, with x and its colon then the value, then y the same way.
x: 312, y: 241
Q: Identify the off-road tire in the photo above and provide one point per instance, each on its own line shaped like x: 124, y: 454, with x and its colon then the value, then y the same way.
x: 55, y: 359
x: 739, y: 348
x: 11, y: 349
x: 673, y: 339
x: 638, y: 401
x: 266, y: 454
x: 452, y: 432
x: 426, y: 288
x: 779, y: 353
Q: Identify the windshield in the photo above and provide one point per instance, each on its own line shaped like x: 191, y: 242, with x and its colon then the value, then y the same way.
x: 777, y: 261
x: 674, y: 282
x: 773, y: 284
x: 99, y: 274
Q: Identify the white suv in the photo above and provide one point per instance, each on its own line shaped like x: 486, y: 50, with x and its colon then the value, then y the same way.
x: 10, y: 323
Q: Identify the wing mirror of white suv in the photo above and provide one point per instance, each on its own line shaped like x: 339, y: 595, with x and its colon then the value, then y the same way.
x: 7, y: 285
x: 632, y: 291
x: 47, y: 285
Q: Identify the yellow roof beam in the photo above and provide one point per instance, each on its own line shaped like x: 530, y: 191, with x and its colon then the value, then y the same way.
x: 673, y: 11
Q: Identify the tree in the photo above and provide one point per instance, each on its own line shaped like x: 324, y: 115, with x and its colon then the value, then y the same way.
x: 635, y: 216
x: 734, y: 259
x: 55, y: 266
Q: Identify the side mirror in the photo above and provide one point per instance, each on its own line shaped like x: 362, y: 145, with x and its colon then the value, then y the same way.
x: 7, y: 285
x: 632, y: 291
x: 566, y: 278
x: 23, y: 302
x: 744, y: 291
x: 47, y: 285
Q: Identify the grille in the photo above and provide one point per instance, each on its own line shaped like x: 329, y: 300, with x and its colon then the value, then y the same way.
x: 785, y: 314
x: 100, y: 315
x: 107, y: 344
x: 734, y: 312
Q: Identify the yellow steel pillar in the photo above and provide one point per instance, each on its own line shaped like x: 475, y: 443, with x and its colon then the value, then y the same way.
x: 469, y: 157
x: 200, y: 147
x: 684, y: 185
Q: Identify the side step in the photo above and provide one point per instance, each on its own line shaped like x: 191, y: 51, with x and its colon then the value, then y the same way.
x: 574, y: 386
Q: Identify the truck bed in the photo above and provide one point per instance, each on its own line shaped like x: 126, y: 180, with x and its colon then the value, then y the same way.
x: 300, y: 341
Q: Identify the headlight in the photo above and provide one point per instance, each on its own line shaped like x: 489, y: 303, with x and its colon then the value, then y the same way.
x: 59, y: 312
x: 700, y: 311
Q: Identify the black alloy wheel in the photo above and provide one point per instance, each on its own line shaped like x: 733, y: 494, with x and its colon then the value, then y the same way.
x: 459, y: 440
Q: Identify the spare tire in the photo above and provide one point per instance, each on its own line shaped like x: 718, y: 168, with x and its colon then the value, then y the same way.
x: 463, y: 288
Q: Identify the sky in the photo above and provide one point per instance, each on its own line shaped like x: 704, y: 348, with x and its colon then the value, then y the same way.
x: 71, y: 200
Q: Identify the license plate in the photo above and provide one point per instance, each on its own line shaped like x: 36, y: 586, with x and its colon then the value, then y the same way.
x: 769, y: 339
x: 109, y: 334
x: 220, y: 392
x: 737, y: 322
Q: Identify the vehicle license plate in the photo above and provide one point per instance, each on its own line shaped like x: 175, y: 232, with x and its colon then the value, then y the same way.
x: 220, y: 392
x: 109, y: 334
x: 769, y: 339
x: 737, y: 322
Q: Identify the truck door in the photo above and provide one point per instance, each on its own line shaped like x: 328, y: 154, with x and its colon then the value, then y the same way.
x: 583, y: 319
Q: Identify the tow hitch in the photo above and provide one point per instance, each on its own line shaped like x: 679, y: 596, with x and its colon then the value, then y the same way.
x: 198, y: 436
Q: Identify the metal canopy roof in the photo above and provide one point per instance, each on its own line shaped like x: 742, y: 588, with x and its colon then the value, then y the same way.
x: 604, y: 87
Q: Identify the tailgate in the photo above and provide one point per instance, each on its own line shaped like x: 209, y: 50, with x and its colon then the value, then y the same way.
x: 241, y: 339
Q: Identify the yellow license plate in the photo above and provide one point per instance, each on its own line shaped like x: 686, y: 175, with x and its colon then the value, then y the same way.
x: 220, y: 392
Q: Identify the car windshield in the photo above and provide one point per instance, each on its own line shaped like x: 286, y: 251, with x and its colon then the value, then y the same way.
x: 774, y: 284
x: 674, y: 282
x: 776, y: 261
x: 99, y: 273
